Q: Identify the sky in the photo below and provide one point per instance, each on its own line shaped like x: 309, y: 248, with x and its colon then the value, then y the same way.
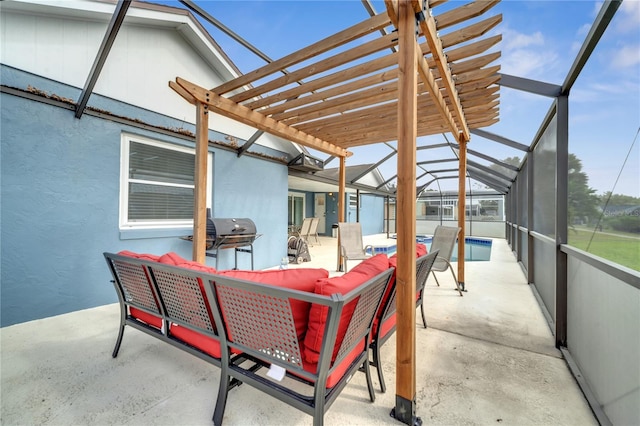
x: 540, y: 41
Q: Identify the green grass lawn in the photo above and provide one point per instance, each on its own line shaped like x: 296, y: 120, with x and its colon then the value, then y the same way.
x: 617, y: 247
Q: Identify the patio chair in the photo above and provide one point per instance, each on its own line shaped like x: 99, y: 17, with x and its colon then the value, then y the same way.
x: 305, y: 227
x: 351, y: 246
x: 444, y: 238
x: 313, y: 230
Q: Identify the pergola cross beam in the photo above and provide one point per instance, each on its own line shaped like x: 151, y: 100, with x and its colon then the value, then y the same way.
x: 223, y: 106
x: 428, y: 27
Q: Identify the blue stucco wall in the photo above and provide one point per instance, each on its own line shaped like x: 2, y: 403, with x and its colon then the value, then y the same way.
x: 59, y: 181
x: 371, y: 213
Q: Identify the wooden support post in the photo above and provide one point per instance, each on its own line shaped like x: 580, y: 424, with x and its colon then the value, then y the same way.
x: 342, y: 184
x: 404, y: 410
x: 200, y: 192
x: 462, y: 198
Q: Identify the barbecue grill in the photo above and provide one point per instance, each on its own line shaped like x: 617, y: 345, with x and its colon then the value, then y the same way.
x: 225, y: 233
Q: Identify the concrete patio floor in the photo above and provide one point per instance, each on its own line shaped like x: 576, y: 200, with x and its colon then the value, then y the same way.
x: 487, y: 358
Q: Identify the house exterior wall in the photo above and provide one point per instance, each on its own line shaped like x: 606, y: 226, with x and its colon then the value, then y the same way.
x: 60, y: 176
x: 60, y: 199
x: 371, y: 213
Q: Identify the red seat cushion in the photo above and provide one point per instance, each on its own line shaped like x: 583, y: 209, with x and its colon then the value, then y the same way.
x: 339, y: 370
x: 364, y: 271
x: 145, y: 317
x: 303, y: 279
x: 206, y: 344
x: 386, y: 326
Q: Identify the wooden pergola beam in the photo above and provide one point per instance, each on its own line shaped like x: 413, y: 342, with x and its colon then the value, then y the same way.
x: 200, y: 190
x: 428, y: 27
x: 244, y: 115
x: 429, y: 80
x: 407, y: 107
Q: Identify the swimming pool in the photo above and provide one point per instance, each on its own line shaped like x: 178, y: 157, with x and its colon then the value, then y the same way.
x: 475, y: 249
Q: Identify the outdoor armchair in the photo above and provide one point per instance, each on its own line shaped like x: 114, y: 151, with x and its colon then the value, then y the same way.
x: 444, y: 238
x: 351, y: 246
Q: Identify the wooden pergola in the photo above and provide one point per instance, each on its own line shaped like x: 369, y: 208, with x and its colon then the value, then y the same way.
x: 354, y: 89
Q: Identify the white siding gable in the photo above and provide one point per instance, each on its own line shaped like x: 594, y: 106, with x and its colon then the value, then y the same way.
x: 60, y: 40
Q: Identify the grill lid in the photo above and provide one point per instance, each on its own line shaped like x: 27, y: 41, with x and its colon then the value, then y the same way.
x: 228, y: 227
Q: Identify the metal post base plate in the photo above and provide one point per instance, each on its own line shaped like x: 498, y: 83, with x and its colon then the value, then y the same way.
x: 404, y: 412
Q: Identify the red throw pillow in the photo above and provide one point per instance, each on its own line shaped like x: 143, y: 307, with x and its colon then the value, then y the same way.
x: 303, y: 279
x: 142, y: 256
x: 364, y: 271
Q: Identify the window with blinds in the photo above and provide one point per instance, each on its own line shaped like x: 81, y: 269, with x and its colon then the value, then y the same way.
x: 157, y: 187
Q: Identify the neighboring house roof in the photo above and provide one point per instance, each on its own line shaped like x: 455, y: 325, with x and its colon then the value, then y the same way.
x: 355, y: 175
x: 624, y: 210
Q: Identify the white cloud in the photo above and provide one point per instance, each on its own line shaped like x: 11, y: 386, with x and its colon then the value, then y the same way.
x: 526, y: 63
x: 583, y: 31
x: 627, y: 56
x: 628, y: 17
x: 526, y: 55
x: 516, y: 40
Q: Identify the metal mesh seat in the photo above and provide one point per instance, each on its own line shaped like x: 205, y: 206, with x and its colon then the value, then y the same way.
x: 351, y: 245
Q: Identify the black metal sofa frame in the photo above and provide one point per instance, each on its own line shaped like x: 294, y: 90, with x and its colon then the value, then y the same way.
x: 254, y: 327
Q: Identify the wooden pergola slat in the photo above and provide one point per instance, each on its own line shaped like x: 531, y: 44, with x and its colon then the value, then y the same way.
x: 319, y: 67
x: 366, y: 27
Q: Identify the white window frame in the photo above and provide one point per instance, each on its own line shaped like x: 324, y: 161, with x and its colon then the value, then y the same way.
x: 297, y: 195
x: 124, y: 222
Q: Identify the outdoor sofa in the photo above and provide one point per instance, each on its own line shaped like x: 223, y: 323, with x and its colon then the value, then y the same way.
x: 313, y: 330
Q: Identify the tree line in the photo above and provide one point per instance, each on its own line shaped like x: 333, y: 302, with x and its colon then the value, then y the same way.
x: 585, y: 207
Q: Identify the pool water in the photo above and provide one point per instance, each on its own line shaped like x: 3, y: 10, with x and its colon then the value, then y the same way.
x: 475, y: 249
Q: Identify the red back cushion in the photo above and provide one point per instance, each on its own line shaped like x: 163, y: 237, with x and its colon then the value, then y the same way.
x: 136, y: 313
x: 204, y: 343
x: 175, y: 259
x: 421, y: 250
x: 143, y: 256
x: 303, y: 279
x: 364, y: 271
